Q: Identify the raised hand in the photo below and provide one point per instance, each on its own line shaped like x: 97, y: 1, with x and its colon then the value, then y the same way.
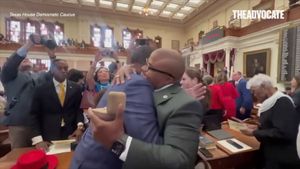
x: 123, y: 74
x: 198, y: 91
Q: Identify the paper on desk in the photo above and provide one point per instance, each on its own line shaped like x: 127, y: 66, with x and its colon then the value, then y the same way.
x: 60, y: 146
x: 236, y: 125
x: 232, y: 148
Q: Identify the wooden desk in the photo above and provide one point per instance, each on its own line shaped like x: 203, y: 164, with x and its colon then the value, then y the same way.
x: 64, y: 159
x: 224, y: 159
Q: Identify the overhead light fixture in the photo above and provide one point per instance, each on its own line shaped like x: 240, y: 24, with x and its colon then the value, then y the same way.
x: 141, y: 1
x: 139, y: 8
x: 121, y: 5
x: 89, y: 1
x: 157, y: 3
x: 186, y: 8
x: 173, y: 6
x: 166, y: 12
x: 146, y: 11
x: 104, y: 2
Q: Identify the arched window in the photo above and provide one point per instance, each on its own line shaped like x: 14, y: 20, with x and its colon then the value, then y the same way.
x: 96, y: 35
x: 127, y: 37
x: 130, y: 36
x: 13, y: 31
x: 108, y: 37
x: 43, y: 29
x: 19, y: 30
x: 30, y: 28
x: 58, y: 34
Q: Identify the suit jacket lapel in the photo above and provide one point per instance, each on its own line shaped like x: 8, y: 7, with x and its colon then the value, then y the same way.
x: 162, y: 97
x: 165, y: 94
x: 53, y: 91
x: 68, y: 91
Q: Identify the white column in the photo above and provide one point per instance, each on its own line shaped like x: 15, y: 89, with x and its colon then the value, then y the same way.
x: 227, y: 62
x: 227, y: 58
x: 200, y: 56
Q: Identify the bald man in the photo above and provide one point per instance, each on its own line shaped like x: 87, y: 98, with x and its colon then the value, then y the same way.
x: 178, y: 115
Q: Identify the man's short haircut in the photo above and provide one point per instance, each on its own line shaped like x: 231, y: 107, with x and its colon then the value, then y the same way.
x: 140, y: 54
x: 54, y: 62
x: 75, y: 75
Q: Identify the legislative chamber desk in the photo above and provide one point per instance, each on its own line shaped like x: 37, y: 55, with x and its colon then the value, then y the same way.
x: 6, y: 162
x: 221, y: 159
x: 224, y: 159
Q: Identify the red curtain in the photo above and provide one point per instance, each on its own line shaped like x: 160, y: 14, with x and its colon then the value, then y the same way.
x: 220, y: 55
x: 213, y: 57
x: 206, y: 58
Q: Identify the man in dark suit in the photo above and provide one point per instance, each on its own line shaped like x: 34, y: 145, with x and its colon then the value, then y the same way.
x: 140, y: 119
x: 56, y: 107
x: 244, y: 101
x: 19, y: 84
x: 178, y: 115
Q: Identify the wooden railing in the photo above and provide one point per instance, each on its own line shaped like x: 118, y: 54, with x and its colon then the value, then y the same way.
x: 290, y: 15
x: 60, y: 49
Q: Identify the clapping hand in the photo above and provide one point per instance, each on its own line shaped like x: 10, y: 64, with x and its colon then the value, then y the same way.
x: 123, y: 74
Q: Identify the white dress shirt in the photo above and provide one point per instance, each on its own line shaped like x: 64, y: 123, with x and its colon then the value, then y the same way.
x: 57, y: 87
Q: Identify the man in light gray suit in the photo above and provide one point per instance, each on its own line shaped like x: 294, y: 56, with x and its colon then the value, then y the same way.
x: 179, y: 117
x: 19, y: 84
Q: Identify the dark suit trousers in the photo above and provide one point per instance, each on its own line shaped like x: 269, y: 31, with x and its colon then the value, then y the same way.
x: 243, y: 116
x: 20, y: 136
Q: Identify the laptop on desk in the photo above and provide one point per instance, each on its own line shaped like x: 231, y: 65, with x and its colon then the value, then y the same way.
x: 212, y: 120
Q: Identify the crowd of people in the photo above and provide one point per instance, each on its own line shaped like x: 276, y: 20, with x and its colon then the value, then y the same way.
x: 159, y: 125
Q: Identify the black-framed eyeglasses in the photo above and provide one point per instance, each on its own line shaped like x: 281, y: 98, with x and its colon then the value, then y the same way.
x: 150, y: 67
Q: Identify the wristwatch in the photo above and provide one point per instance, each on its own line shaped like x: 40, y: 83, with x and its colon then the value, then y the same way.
x: 119, y: 146
x: 80, y: 126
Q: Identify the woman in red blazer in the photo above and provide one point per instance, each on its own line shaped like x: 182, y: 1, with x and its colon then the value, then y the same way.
x: 229, y: 94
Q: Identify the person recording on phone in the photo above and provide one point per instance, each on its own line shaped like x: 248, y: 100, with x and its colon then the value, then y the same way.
x: 19, y: 83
